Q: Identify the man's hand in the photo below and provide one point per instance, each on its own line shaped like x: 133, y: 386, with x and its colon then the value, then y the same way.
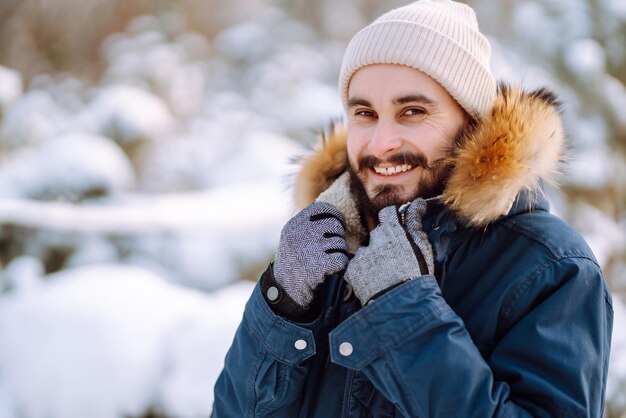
x: 312, y: 246
x: 393, y: 254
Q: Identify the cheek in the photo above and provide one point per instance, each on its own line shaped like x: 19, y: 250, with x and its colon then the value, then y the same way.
x: 434, y: 150
x: 432, y: 141
x: 355, y: 146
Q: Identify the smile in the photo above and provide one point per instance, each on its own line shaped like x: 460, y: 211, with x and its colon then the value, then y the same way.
x: 390, y: 171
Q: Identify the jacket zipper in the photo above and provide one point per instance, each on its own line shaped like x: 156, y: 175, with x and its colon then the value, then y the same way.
x: 402, y: 213
x: 421, y: 261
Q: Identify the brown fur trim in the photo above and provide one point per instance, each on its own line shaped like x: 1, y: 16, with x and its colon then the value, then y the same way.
x: 511, y: 150
x: 322, y: 167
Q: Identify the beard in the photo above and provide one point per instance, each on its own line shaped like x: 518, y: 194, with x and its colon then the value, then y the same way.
x: 431, y: 183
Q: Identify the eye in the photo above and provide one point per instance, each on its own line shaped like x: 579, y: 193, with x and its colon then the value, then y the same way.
x: 415, y: 111
x: 364, y: 113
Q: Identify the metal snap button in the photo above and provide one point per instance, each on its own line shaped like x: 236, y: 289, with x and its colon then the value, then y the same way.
x: 300, y: 345
x: 272, y: 293
x: 345, y: 349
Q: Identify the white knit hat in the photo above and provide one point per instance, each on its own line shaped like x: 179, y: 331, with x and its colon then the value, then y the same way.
x: 438, y: 37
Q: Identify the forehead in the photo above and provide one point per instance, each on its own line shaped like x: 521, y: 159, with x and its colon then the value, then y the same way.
x: 388, y: 81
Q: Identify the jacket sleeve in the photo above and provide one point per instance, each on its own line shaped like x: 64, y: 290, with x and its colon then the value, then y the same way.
x: 551, y: 362
x: 265, y: 367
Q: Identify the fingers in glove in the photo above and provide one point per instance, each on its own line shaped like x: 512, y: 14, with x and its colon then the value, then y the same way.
x: 326, y: 219
x: 336, y: 262
x: 390, y: 223
x: 389, y: 226
x: 322, y: 210
x: 328, y: 228
x: 414, y: 214
x: 335, y: 244
x: 389, y: 216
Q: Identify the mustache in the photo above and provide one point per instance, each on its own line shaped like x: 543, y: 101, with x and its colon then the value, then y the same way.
x: 415, y: 159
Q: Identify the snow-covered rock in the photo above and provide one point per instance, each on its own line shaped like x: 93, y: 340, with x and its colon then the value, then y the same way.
x: 110, y: 341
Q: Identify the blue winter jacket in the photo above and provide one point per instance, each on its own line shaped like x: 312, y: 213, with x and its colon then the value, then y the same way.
x: 516, y: 322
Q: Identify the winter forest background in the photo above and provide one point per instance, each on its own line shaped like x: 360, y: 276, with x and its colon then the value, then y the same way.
x: 145, y: 169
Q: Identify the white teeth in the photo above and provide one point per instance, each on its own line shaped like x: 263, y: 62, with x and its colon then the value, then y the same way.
x: 388, y: 171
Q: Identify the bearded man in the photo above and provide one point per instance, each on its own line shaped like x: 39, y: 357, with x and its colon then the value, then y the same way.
x: 425, y: 276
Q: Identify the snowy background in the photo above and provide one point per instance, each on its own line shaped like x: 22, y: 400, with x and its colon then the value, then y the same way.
x: 145, y: 172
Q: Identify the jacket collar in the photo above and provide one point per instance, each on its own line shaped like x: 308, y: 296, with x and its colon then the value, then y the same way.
x: 439, y: 217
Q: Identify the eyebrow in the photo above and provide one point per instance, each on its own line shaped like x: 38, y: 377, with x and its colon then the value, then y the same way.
x: 357, y: 101
x: 412, y: 98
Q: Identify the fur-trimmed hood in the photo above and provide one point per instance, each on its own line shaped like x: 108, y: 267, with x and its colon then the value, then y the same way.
x: 512, y: 149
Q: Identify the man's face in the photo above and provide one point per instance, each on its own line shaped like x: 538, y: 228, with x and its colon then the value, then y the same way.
x: 401, y: 125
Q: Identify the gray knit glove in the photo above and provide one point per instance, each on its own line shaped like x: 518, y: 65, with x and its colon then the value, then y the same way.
x: 312, y: 246
x: 391, y: 256
x: 413, y: 225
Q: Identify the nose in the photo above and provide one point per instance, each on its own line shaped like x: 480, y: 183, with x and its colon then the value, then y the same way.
x: 385, y: 140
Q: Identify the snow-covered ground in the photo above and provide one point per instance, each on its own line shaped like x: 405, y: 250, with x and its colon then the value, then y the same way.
x: 107, y: 341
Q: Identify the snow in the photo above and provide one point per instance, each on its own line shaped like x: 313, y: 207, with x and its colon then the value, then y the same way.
x: 243, y: 41
x: 615, y: 92
x: 108, y: 341
x: 130, y: 114
x: 10, y: 87
x: 69, y: 167
x: 156, y: 189
x: 204, y: 240
x: 590, y: 167
x: 586, y: 58
x: 22, y: 273
x: 616, y: 8
x: 32, y: 119
x: 606, y: 237
x: 617, y: 367
x: 531, y: 22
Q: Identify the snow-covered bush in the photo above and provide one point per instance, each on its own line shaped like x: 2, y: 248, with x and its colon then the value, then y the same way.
x: 72, y: 167
x: 130, y: 115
